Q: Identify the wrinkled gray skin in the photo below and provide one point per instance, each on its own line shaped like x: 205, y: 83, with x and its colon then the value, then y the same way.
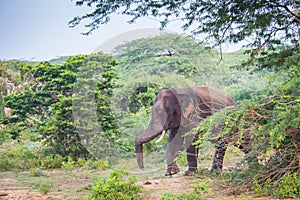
x: 179, y: 111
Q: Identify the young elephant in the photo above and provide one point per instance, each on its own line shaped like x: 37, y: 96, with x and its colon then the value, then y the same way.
x: 179, y: 111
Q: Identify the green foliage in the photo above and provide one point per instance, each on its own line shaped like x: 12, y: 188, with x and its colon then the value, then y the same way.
x: 89, y: 164
x: 95, y: 119
x: 142, y: 96
x: 286, y: 187
x: 59, y: 61
x: 66, y: 111
x: 36, y: 171
x: 268, y: 125
x: 266, y: 23
x: 47, y: 105
x: 166, y: 55
x: 200, y: 189
x: 182, y: 196
x: 45, y: 188
x: 96, y: 164
x: 51, y: 161
x: 28, y: 156
x: 19, y: 157
x: 69, y: 165
x: 119, y: 185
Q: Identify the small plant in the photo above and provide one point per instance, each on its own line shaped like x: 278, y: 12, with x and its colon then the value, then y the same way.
x: 199, y: 190
x: 168, y: 196
x: 45, y: 188
x: 69, y: 165
x: 119, y: 186
x: 182, y: 196
x: 96, y: 164
x: 36, y: 171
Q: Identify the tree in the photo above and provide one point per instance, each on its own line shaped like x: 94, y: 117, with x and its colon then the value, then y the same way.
x: 169, y: 60
x: 264, y: 22
x: 47, y: 105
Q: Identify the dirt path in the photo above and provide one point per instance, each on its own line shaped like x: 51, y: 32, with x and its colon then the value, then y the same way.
x: 21, y: 186
x: 21, y: 195
x: 153, y: 189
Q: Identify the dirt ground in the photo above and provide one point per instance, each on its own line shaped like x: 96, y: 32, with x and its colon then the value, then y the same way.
x: 153, y: 189
x: 75, y: 184
x: 21, y: 186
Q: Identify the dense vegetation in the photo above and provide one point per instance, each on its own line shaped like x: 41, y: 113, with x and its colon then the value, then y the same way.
x: 42, y: 103
x: 270, y: 116
x: 91, y: 107
x: 69, y: 112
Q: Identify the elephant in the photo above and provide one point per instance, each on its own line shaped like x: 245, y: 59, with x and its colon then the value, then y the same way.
x: 179, y: 110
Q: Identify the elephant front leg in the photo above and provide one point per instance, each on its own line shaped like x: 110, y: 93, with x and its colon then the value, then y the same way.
x: 175, y: 142
x: 219, y: 157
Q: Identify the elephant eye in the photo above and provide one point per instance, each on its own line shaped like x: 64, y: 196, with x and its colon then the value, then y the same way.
x: 165, y: 101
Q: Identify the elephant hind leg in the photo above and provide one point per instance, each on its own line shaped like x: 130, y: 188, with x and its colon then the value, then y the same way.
x: 191, y: 154
x: 219, y: 157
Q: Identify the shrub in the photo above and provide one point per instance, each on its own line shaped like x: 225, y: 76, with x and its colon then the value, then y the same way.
x: 287, y: 187
x: 45, y: 188
x: 52, y: 161
x: 119, y: 186
x: 19, y: 157
x: 69, y: 165
x: 36, y: 171
x: 96, y: 164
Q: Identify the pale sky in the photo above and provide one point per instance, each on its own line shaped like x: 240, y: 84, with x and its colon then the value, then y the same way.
x: 38, y: 29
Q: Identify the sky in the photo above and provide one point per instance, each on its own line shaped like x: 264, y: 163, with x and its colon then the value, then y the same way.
x: 38, y: 30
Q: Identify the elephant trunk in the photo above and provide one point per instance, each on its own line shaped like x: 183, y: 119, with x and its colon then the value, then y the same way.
x: 139, y: 154
x: 145, y: 137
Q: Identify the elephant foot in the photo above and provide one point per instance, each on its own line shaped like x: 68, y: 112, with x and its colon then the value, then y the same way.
x: 190, y: 172
x: 172, y: 169
x: 216, y: 170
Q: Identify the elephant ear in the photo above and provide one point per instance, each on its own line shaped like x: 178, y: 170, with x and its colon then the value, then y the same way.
x: 187, y: 105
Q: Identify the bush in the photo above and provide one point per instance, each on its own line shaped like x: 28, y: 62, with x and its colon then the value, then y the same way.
x: 19, y: 157
x: 69, y: 165
x: 96, y: 164
x: 52, y: 161
x: 119, y: 186
x: 287, y: 187
x: 36, y: 171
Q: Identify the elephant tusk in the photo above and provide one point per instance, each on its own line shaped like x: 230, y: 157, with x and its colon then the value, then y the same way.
x: 161, y: 137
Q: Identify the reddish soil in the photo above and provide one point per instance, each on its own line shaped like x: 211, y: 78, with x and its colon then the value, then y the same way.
x: 175, y: 185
